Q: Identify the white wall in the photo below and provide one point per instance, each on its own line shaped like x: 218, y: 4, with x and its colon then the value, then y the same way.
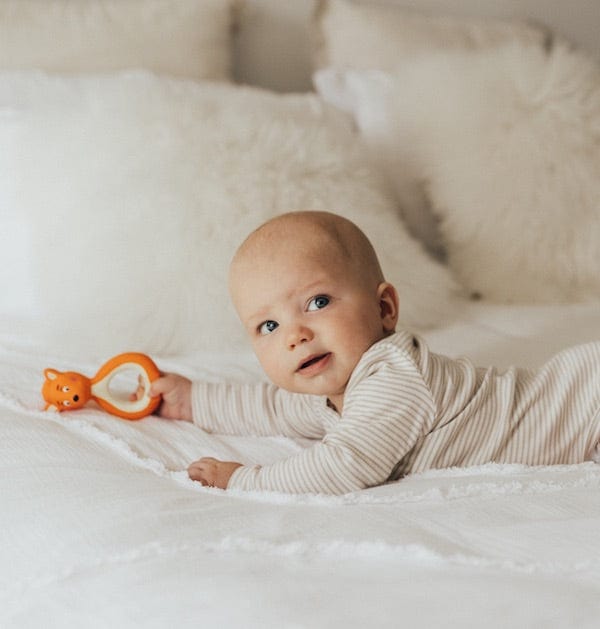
x: 273, y: 41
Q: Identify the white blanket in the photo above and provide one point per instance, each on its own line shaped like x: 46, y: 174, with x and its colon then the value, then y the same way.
x: 100, y: 526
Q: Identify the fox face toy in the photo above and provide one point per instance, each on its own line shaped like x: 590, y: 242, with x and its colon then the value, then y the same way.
x: 65, y: 390
x: 69, y: 390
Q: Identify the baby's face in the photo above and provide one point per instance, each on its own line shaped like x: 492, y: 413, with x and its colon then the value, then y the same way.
x: 308, y: 319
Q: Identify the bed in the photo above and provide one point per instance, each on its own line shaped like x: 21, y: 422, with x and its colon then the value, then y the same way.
x: 464, y: 138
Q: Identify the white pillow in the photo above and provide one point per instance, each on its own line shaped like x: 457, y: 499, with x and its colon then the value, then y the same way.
x: 363, y: 35
x: 508, y: 143
x: 366, y: 35
x: 185, y: 38
x: 361, y: 95
x: 135, y: 190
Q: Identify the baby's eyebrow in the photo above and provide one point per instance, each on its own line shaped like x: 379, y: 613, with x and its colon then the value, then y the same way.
x: 311, y: 286
x: 257, y: 317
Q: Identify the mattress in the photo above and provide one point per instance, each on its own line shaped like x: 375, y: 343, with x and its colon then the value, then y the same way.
x: 101, y: 526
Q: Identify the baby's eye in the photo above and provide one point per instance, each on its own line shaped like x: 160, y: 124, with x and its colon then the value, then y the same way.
x: 318, y: 302
x: 65, y: 389
x: 66, y: 403
x: 267, y: 327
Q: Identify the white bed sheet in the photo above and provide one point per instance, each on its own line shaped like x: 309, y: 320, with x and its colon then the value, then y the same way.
x: 100, y: 526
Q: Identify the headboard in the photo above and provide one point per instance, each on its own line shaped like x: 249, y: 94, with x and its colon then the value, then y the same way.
x: 273, y: 38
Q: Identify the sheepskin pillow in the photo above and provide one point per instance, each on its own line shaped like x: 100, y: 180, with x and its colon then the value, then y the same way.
x: 507, y: 142
x: 135, y: 191
x: 361, y: 95
x: 365, y: 35
x: 184, y: 38
x: 353, y: 35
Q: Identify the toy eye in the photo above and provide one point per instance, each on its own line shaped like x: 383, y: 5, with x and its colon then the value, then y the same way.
x: 66, y: 403
x: 65, y: 389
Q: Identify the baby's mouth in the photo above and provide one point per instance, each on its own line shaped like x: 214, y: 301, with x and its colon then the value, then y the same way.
x: 313, y: 363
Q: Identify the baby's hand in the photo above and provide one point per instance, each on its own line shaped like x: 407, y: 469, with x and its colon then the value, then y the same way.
x: 212, y: 473
x: 176, y: 394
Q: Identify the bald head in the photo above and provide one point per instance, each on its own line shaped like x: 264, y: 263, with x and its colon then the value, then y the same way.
x: 327, y: 238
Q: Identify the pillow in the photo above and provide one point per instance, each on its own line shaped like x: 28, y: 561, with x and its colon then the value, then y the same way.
x: 349, y: 92
x: 361, y: 35
x: 184, y: 38
x: 508, y: 143
x: 135, y: 190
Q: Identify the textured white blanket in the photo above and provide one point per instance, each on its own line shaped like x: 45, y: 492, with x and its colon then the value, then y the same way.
x: 100, y: 526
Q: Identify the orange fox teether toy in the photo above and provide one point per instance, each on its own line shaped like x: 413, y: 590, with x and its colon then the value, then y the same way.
x: 69, y: 390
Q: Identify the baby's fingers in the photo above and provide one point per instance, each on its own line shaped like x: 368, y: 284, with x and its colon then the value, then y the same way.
x: 139, y: 392
x: 161, y: 385
x: 164, y: 385
x: 203, y: 471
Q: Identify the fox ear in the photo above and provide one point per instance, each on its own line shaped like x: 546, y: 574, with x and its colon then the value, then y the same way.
x: 50, y: 374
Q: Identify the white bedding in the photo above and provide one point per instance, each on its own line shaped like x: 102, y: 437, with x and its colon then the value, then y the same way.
x: 100, y: 525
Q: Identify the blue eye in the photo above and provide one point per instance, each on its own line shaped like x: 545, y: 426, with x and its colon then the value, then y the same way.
x: 318, y: 302
x: 267, y: 327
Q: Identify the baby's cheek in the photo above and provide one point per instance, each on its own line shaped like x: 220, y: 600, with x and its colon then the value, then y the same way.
x: 277, y: 374
x: 266, y: 360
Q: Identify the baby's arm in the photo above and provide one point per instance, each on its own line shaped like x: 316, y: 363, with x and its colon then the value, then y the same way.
x: 234, y: 409
x: 258, y: 409
x: 378, y: 427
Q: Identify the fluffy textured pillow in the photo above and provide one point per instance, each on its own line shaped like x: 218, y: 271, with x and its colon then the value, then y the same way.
x: 133, y: 192
x: 507, y: 142
x: 361, y: 35
x: 184, y: 38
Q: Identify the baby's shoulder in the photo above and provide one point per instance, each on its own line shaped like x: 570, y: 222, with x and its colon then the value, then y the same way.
x: 391, y: 367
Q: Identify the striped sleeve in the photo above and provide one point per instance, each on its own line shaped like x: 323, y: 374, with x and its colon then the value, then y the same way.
x: 255, y: 409
x: 379, y: 426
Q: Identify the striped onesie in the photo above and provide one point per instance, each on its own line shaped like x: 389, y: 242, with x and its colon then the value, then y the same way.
x: 407, y: 409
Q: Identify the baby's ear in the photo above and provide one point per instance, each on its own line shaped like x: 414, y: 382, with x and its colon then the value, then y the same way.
x: 388, y: 306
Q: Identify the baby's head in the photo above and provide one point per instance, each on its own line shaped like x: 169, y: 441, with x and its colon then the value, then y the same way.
x: 311, y: 294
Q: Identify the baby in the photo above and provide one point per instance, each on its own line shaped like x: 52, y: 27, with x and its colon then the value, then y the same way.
x: 310, y: 292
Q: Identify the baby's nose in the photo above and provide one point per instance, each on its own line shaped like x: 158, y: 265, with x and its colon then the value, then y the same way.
x: 299, y: 335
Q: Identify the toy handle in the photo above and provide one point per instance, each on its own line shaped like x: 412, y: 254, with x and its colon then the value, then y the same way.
x: 122, y: 407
